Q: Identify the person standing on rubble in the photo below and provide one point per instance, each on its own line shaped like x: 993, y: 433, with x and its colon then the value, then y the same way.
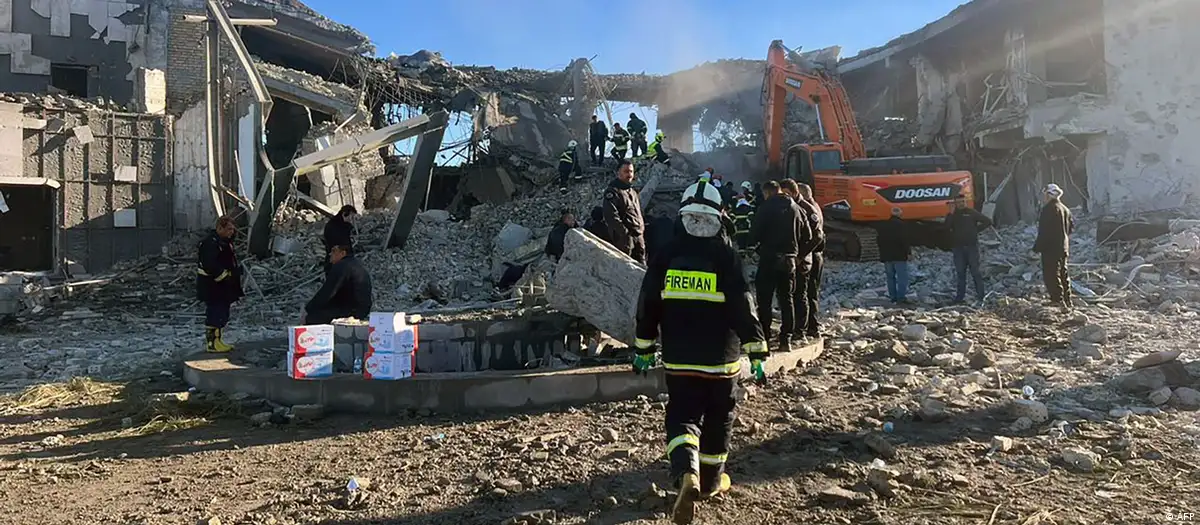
x: 804, y: 257
x: 595, y: 224
x: 218, y: 282
x: 657, y: 152
x: 1054, y: 243
x: 556, y: 241
x: 894, y: 251
x: 749, y: 194
x: 694, y: 297
x: 346, y: 292
x: 812, y: 286
x: 965, y: 223
x: 637, y: 131
x: 339, y: 231
x: 780, y: 231
x: 568, y: 163
x: 623, y: 214
x: 620, y: 140
x: 743, y: 217
x: 598, y: 138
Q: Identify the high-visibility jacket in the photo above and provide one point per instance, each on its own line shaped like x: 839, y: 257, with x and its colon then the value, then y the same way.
x: 695, y: 296
x: 656, y: 152
x: 743, y: 217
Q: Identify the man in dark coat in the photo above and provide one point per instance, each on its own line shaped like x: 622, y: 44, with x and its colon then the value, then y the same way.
x: 346, y: 292
x: 595, y: 224
x: 623, y: 215
x: 780, y: 231
x: 637, y: 132
x: 965, y: 223
x: 339, y: 231
x: 597, y: 138
x: 218, y: 282
x: 894, y: 251
x: 558, y: 235
x: 1054, y: 243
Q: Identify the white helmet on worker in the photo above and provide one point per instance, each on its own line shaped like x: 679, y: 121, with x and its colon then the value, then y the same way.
x: 572, y: 144
x: 746, y: 185
x: 701, y: 197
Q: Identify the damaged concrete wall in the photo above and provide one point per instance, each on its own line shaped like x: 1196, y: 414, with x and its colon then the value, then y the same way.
x: 1153, y: 75
x: 193, y: 208
x: 519, y: 122
x: 116, y: 198
x: 345, y: 182
x: 105, y: 40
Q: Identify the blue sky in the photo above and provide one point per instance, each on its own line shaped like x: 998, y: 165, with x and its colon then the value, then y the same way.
x: 625, y: 36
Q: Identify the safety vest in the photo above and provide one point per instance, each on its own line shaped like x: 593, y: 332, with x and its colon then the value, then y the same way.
x: 620, y: 140
x: 568, y: 156
x: 742, y: 220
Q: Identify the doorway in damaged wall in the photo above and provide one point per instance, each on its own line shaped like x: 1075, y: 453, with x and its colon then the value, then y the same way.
x: 27, y: 228
x: 70, y: 79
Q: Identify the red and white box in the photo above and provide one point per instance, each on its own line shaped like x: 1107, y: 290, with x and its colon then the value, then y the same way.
x: 310, y: 351
x: 387, y: 365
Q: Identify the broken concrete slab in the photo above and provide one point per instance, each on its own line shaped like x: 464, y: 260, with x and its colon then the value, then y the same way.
x: 588, y: 265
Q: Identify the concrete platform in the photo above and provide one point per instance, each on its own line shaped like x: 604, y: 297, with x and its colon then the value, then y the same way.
x: 449, y: 392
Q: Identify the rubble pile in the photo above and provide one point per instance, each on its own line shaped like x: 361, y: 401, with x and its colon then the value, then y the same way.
x: 1163, y: 272
x: 54, y: 101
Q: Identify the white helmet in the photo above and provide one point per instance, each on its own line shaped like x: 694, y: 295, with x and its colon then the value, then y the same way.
x: 746, y: 185
x: 701, y: 197
x: 572, y: 144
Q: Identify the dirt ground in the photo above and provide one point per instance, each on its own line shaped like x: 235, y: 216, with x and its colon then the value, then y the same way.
x: 111, y: 456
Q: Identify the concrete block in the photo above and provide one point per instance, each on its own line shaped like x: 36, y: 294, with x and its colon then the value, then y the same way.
x: 125, y: 174
x: 553, y: 389
x: 83, y: 134
x: 441, y: 332
x: 510, y: 393
x: 150, y: 91
x: 126, y: 218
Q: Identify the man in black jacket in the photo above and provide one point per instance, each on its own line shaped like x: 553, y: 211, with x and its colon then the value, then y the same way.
x: 637, y: 132
x: 623, y: 215
x: 965, y: 223
x: 894, y: 251
x: 620, y: 140
x: 218, y: 282
x: 812, y: 286
x: 696, y: 299
x: 346, y: 292
x: 595, y: 224
x: 780, y: 231
x: 1054, y: 243
x: 339, y: 231
x: 558, y: 235
x: 805, y: 258
x: 598, y: 137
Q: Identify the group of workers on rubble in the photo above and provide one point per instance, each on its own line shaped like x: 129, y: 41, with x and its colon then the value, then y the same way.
x: 623, y: 138
x: 696, y: 311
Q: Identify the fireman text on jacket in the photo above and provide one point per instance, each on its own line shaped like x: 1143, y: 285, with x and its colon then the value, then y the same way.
x: 691, y: 285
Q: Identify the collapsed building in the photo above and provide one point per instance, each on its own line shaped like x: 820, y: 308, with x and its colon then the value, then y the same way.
x: 144, y: 119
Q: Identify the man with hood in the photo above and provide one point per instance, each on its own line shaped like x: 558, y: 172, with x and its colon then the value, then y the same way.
x: 695, y: 298
x: 1054, y: 243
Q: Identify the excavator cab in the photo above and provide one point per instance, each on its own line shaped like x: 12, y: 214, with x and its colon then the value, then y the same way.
x: 805, y: 161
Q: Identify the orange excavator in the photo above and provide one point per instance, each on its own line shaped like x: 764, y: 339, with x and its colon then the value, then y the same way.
x: 852, y: 189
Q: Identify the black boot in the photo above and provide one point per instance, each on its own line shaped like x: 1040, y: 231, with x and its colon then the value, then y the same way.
x: 785, y: 343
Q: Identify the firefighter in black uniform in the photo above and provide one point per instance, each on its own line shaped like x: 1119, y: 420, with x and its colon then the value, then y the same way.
x: 812, y: 289
x: 637, y: 130
x: 780, y: 232
x: 218, y: 282
x: 597, y: 138
x: 623, y: 215
x: 620, y: 140
x: 743, y: 217
x: 695, y: 297
x: 568, y: 162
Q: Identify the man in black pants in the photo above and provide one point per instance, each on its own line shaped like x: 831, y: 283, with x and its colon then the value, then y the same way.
x: 1054, y: 243
x: 695, y: 297
x: 812, y: 290
x: 218, y: 282
x: 597, y: 138
x: 779, y: 230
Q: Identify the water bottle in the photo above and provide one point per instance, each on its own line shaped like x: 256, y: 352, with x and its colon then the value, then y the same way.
x: 358, y: 365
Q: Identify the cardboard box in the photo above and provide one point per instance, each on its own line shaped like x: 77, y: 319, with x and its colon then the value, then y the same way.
x: 386, y: 322
x: 310, y: 339
x: 310, y: 365
x: 388, y: 365
x: 402, y: 341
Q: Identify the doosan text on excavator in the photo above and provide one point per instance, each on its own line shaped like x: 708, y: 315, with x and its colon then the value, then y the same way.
x: 852, y: 188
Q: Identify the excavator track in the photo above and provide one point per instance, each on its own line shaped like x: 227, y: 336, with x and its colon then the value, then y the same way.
x: 845, y: 241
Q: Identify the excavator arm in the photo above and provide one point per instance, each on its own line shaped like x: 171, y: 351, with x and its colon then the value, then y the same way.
x: 820, y: 89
